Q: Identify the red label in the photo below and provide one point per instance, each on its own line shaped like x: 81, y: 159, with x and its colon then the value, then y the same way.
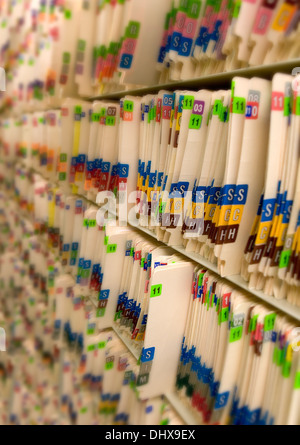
x: 277, y: 101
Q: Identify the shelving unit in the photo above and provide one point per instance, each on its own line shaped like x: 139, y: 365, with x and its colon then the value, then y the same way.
x: 218, y: 80
x: 180, y: 407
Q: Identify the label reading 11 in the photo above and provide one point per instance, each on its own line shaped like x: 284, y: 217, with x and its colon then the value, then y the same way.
x: 128, y: 110
x: 235, y: 334
x: 111, y: 248
x: 156, y: 290
x: 239, y: 105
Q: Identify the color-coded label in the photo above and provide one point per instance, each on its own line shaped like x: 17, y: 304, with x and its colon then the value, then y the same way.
x: 156, y: 290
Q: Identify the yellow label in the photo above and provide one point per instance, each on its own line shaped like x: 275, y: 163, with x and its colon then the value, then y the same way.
x: 177, y: 206
x: 263, y: 233
x: 178, y: 121
x: 224, y: 215
x: 216, y: 216
x: 289, y: 353
x: 167, y: 206
x: 283, y: 18
x: 198, y: 210
x: 210, y: 211
x: 236, y: 214
x: 281, y: 235
x: 76, y: 138
x: 149, y: 191
x: 51, y: 211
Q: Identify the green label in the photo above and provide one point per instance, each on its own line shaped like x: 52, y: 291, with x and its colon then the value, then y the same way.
x: 285, y: 258
x: 66, y: 58
x: 63, y: 157
x: 109, y: 365
x: 200, y: 279
x: 68, y: 14
x: 96, y: 117
x: 91, y: 348
x: 297, y: 380
x: 297, y: 110
x: 287, y: 106
x: 118, y: 315
x: 110, y: 121
x: 195, y: 122
x: 253, y: 323
x: 62, y: 176
x: 239, y: 105
x: 162, y: 207
x: 133, y: 30
x: 194, y: 9
x: 224, y: 314
x: 235, y: 334
x: 85, y: 222
x: 269, y: 322
x: 111, y: 248
x: 156, y: 290
x: 102, y: 345
x: 188, y: 102
x: 100, y: 312
x: 218, y: 107
x: 81, y: 45
x: 237, y: 7
x: 128, y: 106
x: 286, y: 369
x: 106, y: 241
x: 78, y: 110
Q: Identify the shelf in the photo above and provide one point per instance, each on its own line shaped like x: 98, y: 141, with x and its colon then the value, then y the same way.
x: 219, y: 80
x: 237, y: 280
x: 126, y: 342
x: 184, y: 411
x: 282, y: 305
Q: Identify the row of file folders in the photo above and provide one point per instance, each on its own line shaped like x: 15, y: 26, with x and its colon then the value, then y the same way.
x: 57, y: 49
x: 230, y: 358
x: 216, y: 172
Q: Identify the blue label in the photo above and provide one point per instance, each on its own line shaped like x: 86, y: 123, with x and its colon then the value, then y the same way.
x: 240, y: 196
x: 200, y: 195
x: 123, y: 170
x: 87, y: 264
x: 287, y: 212
x: 159, y: 179
x: 268, y: 210
x: 222, y: 400
x: 185, y: 46
x: 214, y: 195
x: 147, y: 355
x: 175, y: 42
x: 152, y: 179
x: 162, y: 54
x: 126, y: 61
x: 81, y: 159
x: 90, y: 166
x: 105, y: 167
x: 252, y: 417
x: 104, y: 294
